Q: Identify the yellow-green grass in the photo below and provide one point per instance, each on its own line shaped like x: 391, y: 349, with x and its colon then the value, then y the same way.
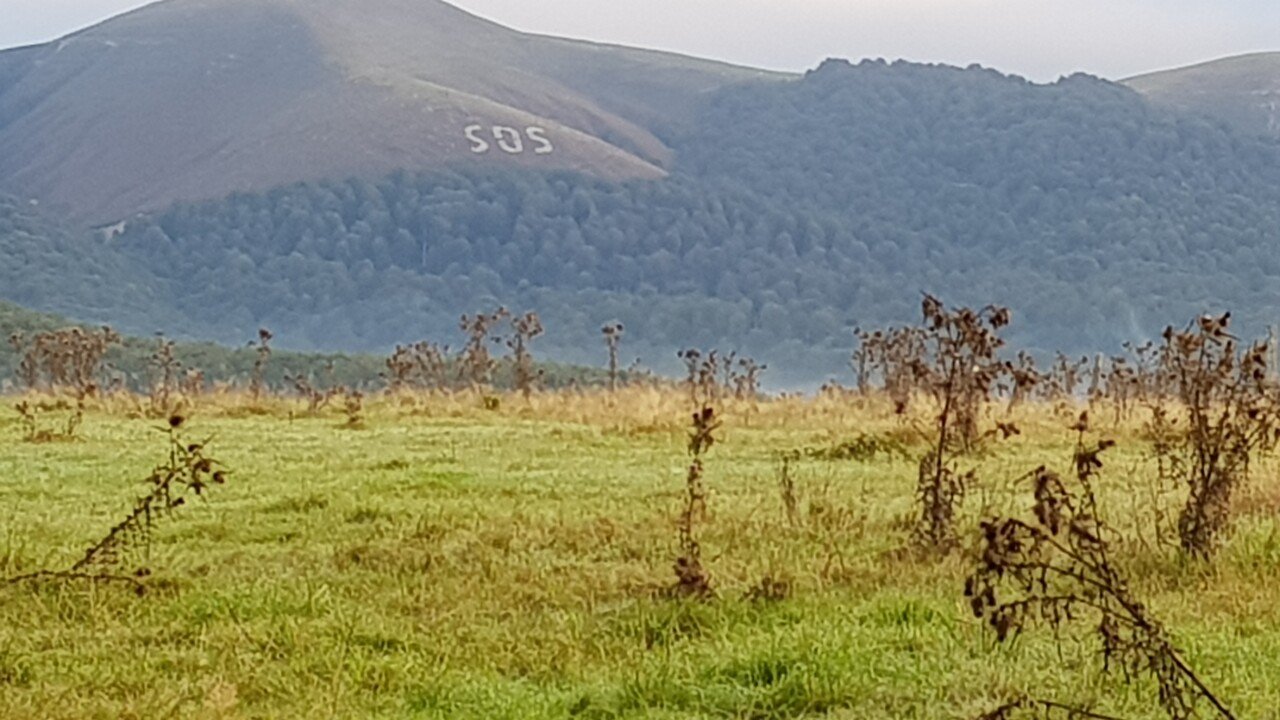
x: 446, y: 561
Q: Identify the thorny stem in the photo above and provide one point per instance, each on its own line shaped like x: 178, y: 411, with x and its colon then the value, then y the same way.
x: 73, y: 575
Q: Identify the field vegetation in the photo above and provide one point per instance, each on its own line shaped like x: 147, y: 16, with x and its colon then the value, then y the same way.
x: 923, y: 546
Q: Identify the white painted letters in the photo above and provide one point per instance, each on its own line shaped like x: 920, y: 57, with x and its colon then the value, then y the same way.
x: 539, y: 136
x: 509, y: 139
x: 478, y: 144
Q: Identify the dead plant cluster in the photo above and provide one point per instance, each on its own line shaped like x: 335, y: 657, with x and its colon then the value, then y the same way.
x: 524, y: 330
x: 421, y: 366
x: 1227, y: 412
x: 428, y: 366
x: 476, y: 365
x: 37, y: 427
x: 713, y: 376
x: 69, y: 360
x: 169, y: 382
x: 317, y: 397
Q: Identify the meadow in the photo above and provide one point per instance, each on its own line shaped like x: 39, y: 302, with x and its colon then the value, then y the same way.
x: 450, y: 557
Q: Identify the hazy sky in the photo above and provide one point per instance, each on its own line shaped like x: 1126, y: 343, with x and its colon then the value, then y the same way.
x: 1040, y: 39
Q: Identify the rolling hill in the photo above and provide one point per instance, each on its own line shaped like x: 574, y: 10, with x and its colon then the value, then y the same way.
x: 189, y: 100
x: 1243, y: 91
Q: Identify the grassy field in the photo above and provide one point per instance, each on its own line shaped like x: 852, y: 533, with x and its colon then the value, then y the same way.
x: 447, y: 561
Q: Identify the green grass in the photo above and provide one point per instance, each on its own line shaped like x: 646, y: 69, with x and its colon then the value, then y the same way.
x: 448, y: 562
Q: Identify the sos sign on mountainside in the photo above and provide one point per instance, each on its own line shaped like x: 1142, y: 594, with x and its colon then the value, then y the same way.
x: 508, y: 139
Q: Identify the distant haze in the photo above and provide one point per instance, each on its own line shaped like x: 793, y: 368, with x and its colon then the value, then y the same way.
x: 1038, y: 39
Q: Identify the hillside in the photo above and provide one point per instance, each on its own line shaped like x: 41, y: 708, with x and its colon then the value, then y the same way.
x: 58, y: 270
x: 1243, y: 91
x: 195, y: 99
x: 771, y: 216
x: 794, y: 212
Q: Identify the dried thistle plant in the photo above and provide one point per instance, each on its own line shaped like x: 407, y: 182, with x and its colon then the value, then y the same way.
x: 744, y: 378
x: 524, y: 330
x: 69, y: 360
x: 28, y: 371
x: 123, y: 555
x: 164, y: 368
x: 702, y: 375
x: 895, y: 355
x: 959, y: 368
x: 422, y: 366
x: 861, y: 362
x: 1064, y: 378
x: 692, y: 578
x: 475, y: 367
x: 317, y: 398
x: 1230, y: 414
x: 1024, y: 379
x: 787, y: 486
x: 353, y: 408
x: 1056, y: 569
x: 613, y: 341
x: 258, y: 378
x: 192, y: 383
x: 34, y: 429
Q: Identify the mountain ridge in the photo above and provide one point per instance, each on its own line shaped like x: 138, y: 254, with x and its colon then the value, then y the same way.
x: 1240, y: 90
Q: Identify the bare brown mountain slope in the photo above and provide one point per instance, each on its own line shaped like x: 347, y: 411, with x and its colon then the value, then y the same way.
x: 195, y: 99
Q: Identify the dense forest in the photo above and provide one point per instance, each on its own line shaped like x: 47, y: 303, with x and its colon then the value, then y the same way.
x: 796, y: 212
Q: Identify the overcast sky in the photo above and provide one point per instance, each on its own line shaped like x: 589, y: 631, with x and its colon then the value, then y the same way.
x: 1040, y: 39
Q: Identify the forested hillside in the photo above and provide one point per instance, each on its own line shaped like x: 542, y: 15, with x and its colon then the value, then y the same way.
x: 795, y: 212
x: 44, y: 265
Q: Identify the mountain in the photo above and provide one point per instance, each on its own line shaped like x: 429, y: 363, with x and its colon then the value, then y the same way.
x: 1243, y: 91
x: 793, y: 212
x: 188, y: 100
x: 307, y: 167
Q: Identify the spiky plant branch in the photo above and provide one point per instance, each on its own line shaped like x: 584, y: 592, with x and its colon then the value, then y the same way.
x: 123, y: 555
x: 1043, y: 709
x: 1057, y: 568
